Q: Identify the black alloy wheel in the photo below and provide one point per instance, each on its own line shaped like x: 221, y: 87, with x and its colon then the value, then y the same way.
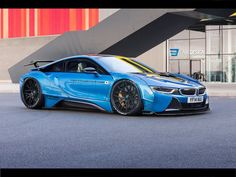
x: 31, y: 94
x: 125, y: 98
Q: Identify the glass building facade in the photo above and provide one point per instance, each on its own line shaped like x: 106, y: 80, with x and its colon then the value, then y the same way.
x: 211, y: 54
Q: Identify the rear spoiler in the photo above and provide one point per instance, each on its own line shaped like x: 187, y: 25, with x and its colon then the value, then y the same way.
x: 35, y: 63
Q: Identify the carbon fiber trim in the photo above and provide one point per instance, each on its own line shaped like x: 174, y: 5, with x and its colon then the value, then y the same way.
x: 185, y: 112
x: 79, y: 104
x: 176, y: 104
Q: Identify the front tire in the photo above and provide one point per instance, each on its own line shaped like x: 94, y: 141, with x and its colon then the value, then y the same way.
x: 126, y: 99
x: 31, y: 94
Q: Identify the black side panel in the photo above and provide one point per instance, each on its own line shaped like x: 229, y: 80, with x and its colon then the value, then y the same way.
x: 80, y: 105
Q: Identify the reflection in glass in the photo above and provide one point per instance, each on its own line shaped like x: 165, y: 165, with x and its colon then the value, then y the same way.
x: 213, y: 42
x: 214, y: 69
x: 174, y: 66
x: 229, y: 68
x: 183, y: 49
x: 229, y: 41
x: 184, y: 67
x: 179, y: 66
x: 197, y: 48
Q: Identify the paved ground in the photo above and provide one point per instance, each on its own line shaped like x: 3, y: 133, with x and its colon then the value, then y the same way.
x: 58, y: 138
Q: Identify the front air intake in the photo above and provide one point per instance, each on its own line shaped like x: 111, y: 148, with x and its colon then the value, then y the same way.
x: 188, y: 91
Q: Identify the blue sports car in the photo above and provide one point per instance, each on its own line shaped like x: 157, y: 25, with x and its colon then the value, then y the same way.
x: 112, y: 84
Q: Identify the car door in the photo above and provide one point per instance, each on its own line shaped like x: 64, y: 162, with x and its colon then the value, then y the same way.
x: 83, y: 85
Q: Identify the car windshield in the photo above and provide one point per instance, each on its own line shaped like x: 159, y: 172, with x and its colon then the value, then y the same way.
x: 125, y: 65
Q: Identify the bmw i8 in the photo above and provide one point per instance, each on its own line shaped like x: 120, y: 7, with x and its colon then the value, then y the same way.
x: 112, y: 84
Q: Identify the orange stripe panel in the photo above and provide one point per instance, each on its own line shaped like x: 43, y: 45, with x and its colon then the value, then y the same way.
x: 86, y: 19
x: 79, y: 20
x: 83, y: 19
x: 27, y: 22
x: 1, y: 23
x: 44, y: 21
x: 92, y: 17
x: 72, y: 20
x: 23, y: 22
x: 37, y: 22
x: 31, y: 22
x: 5, y: 23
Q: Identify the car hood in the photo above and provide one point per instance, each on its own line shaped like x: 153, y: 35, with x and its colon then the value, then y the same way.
x: 169, y: 80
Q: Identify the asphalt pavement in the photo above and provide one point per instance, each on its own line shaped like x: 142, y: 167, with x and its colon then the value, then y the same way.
x: 84, y: 139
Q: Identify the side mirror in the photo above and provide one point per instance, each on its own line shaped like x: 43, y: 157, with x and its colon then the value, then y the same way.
x: 90, y: 70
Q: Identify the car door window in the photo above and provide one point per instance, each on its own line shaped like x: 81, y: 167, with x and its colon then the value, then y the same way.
x: 79, y: 65
x: 57, y: 67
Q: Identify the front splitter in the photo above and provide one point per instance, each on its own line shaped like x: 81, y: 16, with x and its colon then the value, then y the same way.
x: 184, y: 112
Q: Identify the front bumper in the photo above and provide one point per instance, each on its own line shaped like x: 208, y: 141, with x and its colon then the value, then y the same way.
x: 177, y: 107
x: 173, y: 104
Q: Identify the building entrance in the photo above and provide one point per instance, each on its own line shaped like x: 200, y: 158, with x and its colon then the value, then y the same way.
x: 193, y: 67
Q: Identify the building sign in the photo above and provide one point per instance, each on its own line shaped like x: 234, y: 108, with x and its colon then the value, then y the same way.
x: 174, y: 52
x: 197, y: 52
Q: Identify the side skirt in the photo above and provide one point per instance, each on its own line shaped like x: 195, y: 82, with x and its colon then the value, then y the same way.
x: 79, y: 104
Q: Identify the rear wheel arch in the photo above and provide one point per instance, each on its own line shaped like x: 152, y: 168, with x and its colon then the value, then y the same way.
x: 40, y: 97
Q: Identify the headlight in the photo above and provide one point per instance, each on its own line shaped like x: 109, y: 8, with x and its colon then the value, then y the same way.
x: 202, y: 90
x: 165, y: 90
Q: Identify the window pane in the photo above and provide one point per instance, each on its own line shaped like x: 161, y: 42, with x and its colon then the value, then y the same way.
x: 196, y: 34
x: 214, y: 68
x: 181, y: 35
x: 174, y: 66
x: 184, y: 67
x: 213, y: 42
x: 210, y: 27
x: 228, y: 26
x: 179, y: 49
x: 196, y: 66
x: 229, y: 41
x: 197, y: 48
x: 179, y: 66
x: 229, y: 70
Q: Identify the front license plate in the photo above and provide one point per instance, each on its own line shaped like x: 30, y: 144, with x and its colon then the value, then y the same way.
x: 196, y: 99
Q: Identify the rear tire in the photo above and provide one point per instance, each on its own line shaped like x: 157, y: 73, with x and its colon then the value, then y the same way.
x: 126, y: 99
x: 31, y: 94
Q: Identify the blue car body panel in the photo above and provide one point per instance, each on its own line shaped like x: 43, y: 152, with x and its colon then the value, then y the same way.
x: 96, y: 89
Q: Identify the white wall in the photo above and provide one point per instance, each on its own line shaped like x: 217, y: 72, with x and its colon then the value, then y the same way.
x: 104, y: 13
x: 155, y: 58
x: 15, y: 49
